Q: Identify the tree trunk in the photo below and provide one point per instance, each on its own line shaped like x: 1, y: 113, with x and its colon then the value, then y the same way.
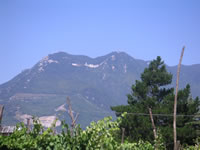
x: 153, y: 125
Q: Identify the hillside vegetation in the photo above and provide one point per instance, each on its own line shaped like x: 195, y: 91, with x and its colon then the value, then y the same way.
x: 93, y: 85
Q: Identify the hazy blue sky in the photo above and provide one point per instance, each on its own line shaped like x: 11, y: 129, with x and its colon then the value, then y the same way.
x: 31, y: 29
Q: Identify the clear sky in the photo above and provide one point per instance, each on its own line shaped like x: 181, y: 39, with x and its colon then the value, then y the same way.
x: 32, y: 29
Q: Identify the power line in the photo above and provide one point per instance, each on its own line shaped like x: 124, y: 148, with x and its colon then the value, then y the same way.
x: 165, y: 115
x: 141, y: 114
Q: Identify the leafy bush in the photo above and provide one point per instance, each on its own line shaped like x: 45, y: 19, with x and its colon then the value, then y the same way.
x: 99, y: 135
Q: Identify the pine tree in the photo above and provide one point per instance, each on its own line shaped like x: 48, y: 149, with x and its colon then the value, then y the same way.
x: 151, y: 92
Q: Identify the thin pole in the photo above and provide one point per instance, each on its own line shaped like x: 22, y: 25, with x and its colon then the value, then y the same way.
x: 1, y: 113
x: 175, y: 99
x: 123, y: 130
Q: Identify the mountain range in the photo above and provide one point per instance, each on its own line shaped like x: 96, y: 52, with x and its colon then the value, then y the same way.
x: 92, y: 84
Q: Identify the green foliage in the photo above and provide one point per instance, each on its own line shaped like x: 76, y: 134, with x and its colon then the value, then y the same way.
x: 98, y: 136
x: 137, y: 146
x: 194, y: 147
x: 149, y: 90
x: 152, y: 92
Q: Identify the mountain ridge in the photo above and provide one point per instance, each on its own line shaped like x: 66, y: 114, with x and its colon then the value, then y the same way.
x: 93, y: 84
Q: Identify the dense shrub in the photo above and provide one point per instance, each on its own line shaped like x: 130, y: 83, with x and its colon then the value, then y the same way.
x: 99, y: 135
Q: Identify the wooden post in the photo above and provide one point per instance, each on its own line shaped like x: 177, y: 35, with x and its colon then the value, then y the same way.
x: 175, y: 99
x: 123, y: 130
x: 1, y: 113
x: 54, y: 131
x: 28, y: 124
x: 178, y: 144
